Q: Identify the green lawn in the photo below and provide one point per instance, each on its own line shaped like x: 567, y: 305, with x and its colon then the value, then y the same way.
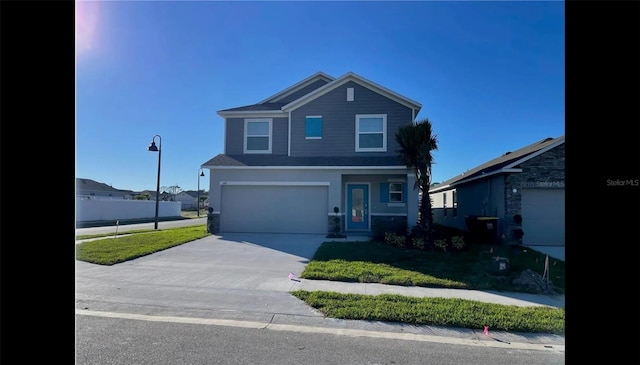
x: 475, y: 267
x: 450, y: 312
x: 111, y: 251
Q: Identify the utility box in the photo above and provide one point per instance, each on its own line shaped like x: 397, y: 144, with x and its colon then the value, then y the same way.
x: 483, y: 230
x: 500, y: 265
x: 212, y: 221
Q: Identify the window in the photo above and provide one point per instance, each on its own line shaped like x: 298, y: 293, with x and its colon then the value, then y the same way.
x: 314, y: 127
x: 455, y: 204
x: 349, y: 94
x: 444, y: 202
x: 395, y: 193
x: 371, y: 133
x: 257, y: 135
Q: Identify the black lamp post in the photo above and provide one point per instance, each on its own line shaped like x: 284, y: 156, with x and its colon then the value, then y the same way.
x: 153, y: 148
x: 198, y: 199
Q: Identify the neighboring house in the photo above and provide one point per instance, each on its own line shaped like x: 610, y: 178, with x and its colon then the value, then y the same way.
x: 528, y: 182
x: 189, y: 198
x: 87, y: 188
x: 320, y: 144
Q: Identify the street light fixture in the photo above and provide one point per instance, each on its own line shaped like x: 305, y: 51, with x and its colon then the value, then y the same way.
x: 153, y: 148
x: 198, y: 194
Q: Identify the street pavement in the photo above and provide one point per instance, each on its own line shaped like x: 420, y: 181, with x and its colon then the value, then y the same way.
x: 245, y: 280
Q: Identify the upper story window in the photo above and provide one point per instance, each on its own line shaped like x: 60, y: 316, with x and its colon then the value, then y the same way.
x: 257, y: 135
x: 371, y: 133
x: 313, y: 127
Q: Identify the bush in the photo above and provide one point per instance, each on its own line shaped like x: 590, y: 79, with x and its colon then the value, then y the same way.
x: 417, y: 242
x: 441, y: 244
x: 395, y: 239
x: 457, y: 242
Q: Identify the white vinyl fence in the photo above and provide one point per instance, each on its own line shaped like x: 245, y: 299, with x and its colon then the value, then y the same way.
x: 96, y: 209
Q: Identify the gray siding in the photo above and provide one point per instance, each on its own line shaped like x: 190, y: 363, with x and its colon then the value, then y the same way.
x: 483, y: 197
x: 339, y: 120
x: 302, y: 92
x: 234, y: 139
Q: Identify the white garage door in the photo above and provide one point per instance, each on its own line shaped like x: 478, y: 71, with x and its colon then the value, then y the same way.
x: 274, y: 209
x: 543, y: 217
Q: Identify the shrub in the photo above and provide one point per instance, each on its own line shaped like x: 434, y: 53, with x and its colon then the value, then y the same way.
x: 457, y: 242
x: 441, y: 244
x: 395, y: 239
x: 417, y: 242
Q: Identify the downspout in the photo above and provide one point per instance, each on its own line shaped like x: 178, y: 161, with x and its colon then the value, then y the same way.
x: 289, y: 137
x: 224, y: 139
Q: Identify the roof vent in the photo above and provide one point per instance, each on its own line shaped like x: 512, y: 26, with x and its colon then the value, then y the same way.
x: 506, y: 153
x: 546, y: 140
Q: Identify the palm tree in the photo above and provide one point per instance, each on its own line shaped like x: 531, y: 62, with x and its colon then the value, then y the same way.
x: 416, y: 142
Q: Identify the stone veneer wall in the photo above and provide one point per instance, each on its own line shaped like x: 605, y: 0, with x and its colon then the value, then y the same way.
x: 213, y: 223
x: 331, y: 223
x: 545, y: 168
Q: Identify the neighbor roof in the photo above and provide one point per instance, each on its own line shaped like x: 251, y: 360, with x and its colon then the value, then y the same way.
x: 88, y: 184
x: 505, y: 161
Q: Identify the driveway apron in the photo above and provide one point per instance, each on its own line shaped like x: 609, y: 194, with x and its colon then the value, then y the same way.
x: 231, y: 274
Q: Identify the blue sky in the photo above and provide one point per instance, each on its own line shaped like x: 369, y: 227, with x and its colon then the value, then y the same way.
x: 489, y: 75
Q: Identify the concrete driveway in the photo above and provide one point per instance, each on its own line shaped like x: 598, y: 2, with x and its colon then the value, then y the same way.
x: 233, y: 275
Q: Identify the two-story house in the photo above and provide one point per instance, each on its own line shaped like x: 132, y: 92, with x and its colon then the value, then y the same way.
x: 319, y: 146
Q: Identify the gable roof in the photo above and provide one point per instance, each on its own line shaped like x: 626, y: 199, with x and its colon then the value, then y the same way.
x: 350, y: 76
x: 505, y: 163
x: 297, y: 86
x: 271, y: 106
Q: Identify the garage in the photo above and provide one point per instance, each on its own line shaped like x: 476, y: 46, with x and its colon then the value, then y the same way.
x: 274, y: 209
x: 543, y: 217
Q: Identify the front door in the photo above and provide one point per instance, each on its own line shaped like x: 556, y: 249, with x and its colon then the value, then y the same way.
x: 358, y: 207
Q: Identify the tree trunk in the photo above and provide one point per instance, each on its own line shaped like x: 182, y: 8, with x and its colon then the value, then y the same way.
x: 426, y: 215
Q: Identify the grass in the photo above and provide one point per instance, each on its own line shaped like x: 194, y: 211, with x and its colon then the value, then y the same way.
x: 436, y: 311
x: 472, y: 268
x: 119, y: 249
x: 89, y: 236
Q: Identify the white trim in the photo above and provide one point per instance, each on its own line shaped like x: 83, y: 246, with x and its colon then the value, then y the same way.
x: 335, y: 214
x: 350, y: 76
x: 312, y: 137
x: 253, y: 114
x: 289, y: 137
x: 384, y: 133
x: 537, y: 153
x: 297, y: 86
x: 249, y: 120
x: 346, y: 203
x: 389, y: 214
x: 215, y: 212
x: 275, y: 183
x: 439, y: 188
x: 306, y: 167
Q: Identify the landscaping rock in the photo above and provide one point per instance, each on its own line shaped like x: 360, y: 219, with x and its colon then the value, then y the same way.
x: 533, y: 281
